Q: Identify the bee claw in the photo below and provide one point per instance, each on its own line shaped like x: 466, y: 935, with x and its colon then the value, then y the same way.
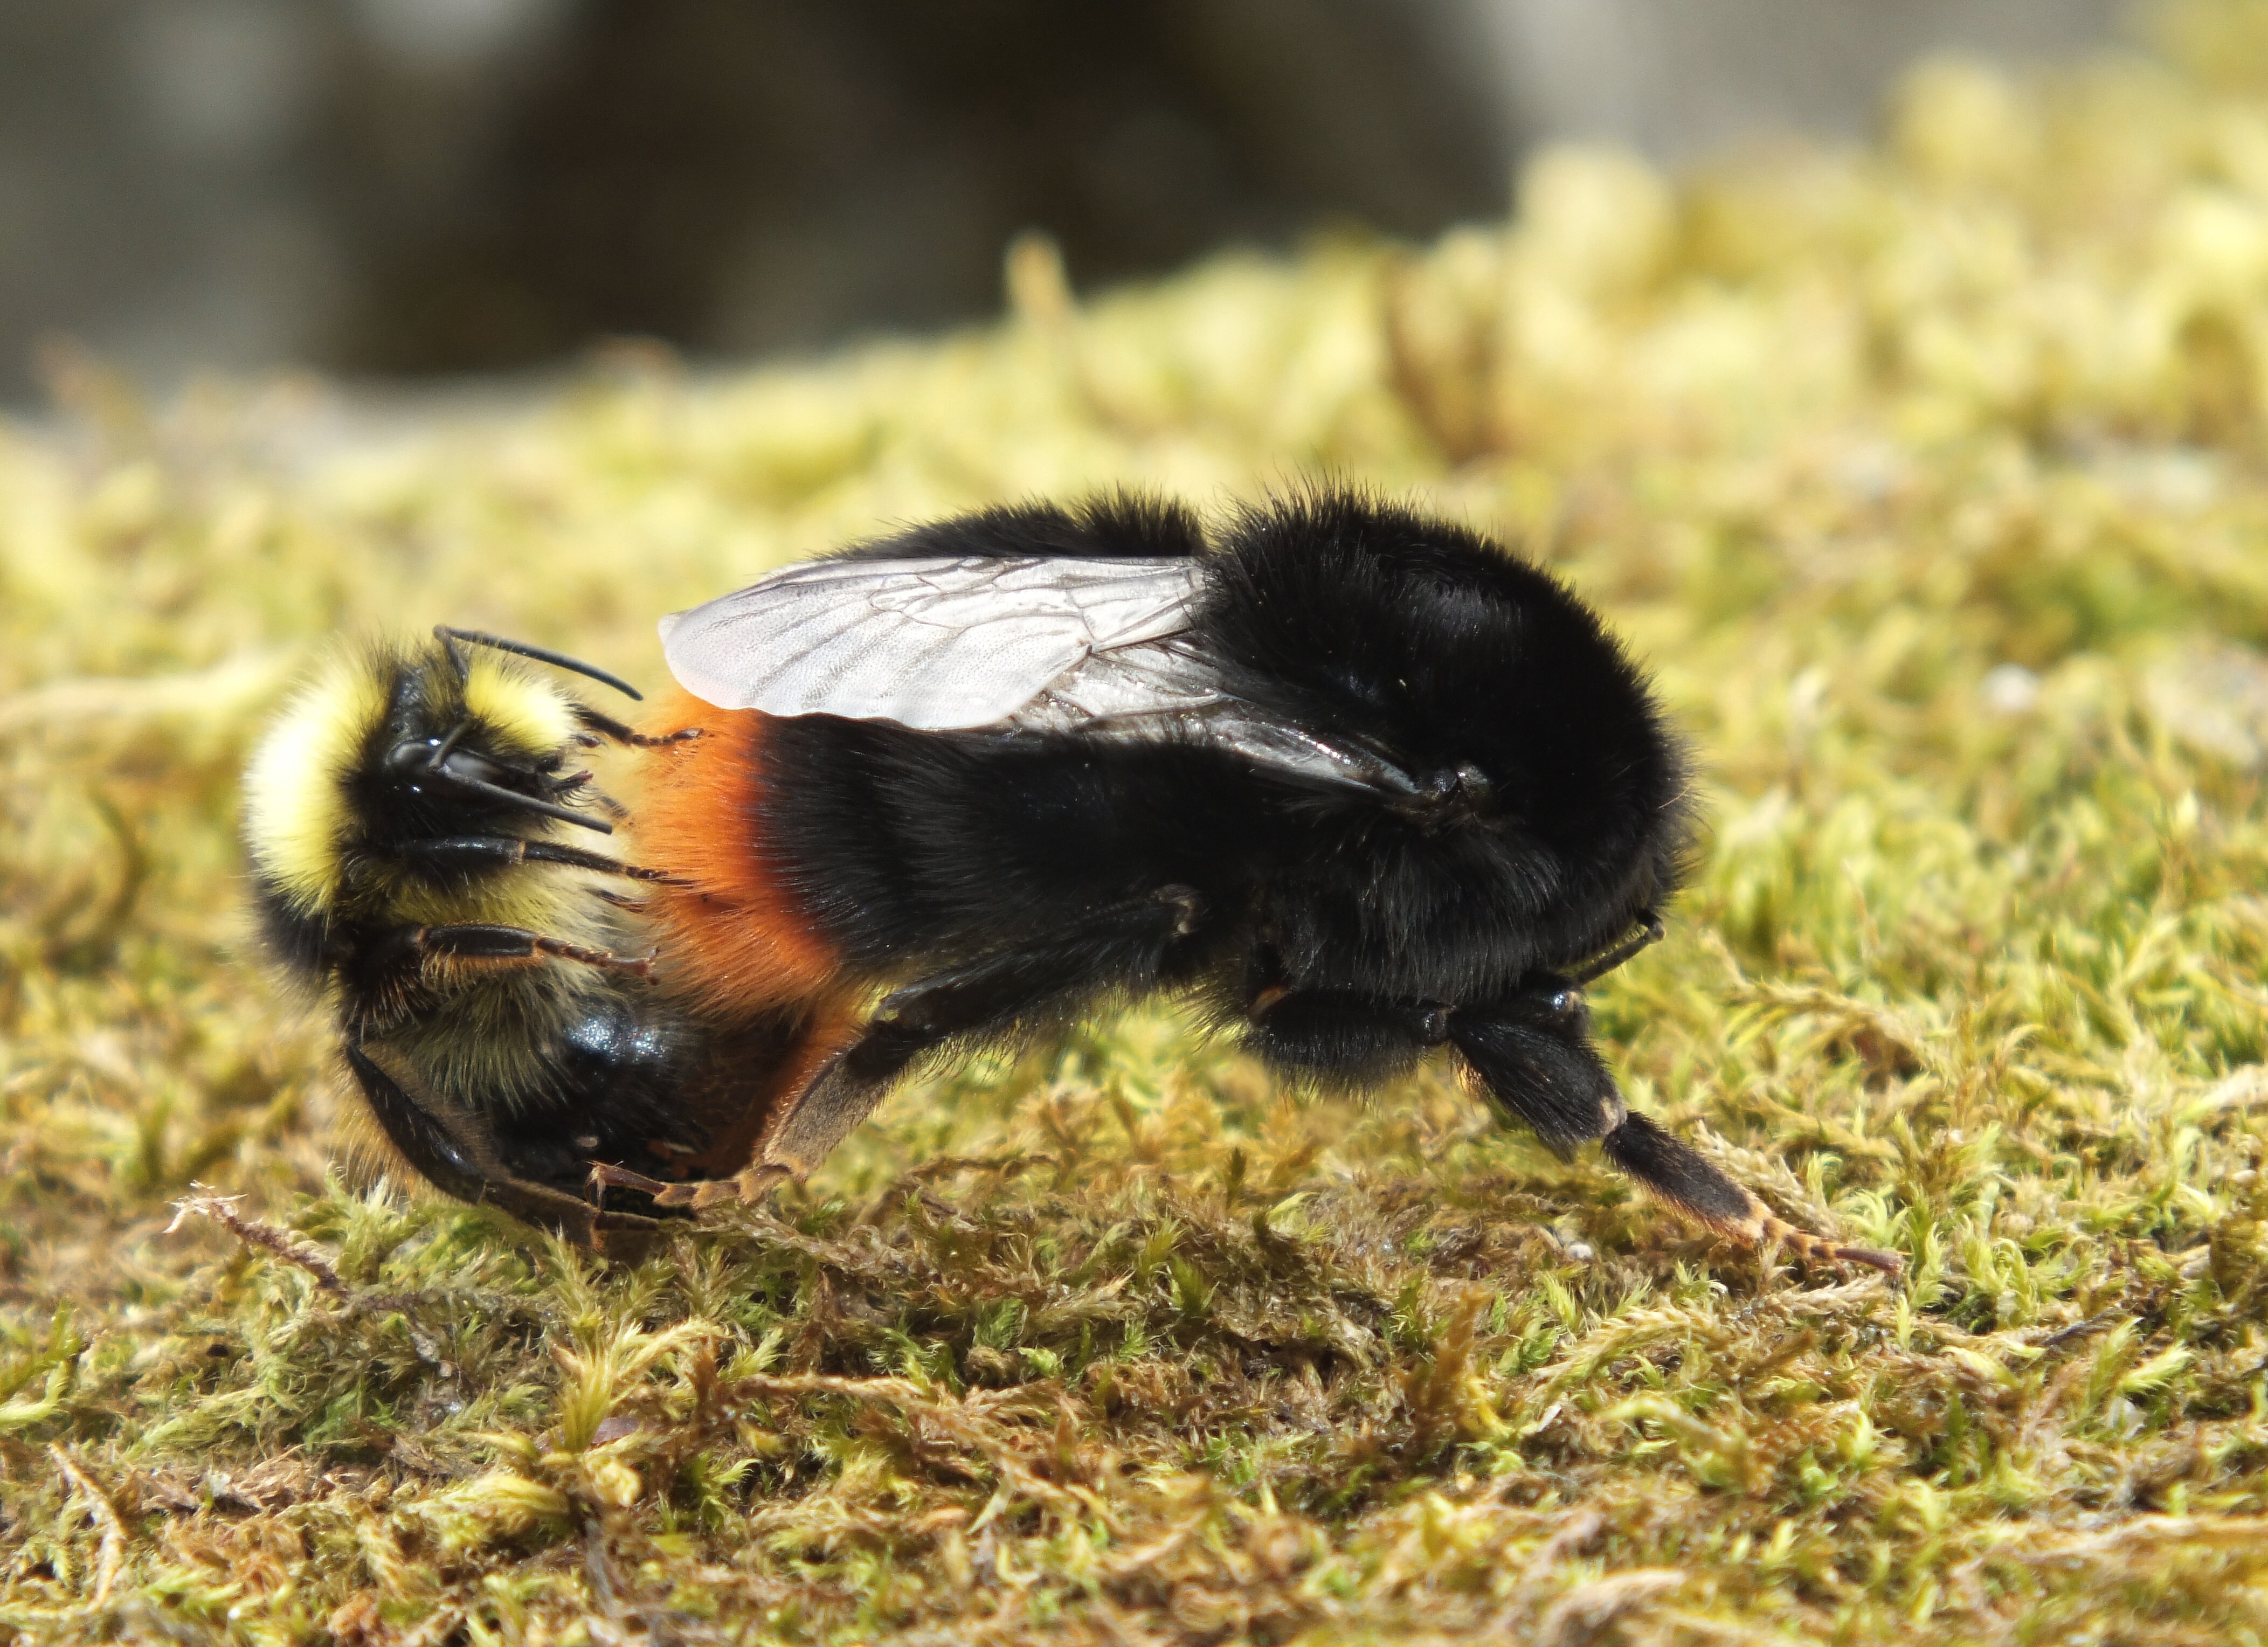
x: 604, y: 1176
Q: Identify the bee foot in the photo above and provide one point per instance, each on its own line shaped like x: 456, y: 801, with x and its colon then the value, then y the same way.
x: 697, y: 1194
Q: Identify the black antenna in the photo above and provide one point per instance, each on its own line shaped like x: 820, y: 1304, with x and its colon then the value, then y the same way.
x: 1648, y: 934
x: 447, y: 636
x: 502, y: 795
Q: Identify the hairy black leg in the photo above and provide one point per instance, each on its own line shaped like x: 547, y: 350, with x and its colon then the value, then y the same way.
x: 1339, y: 1036
x: 608, y: 726
x: 1127, y: 947
x: 383, y: 973
x: 1533, y: 1057
x: 1649, y: 932
x: 454, y: 1167
x: 1130, y: 946
x: 484, y: 851
x: 1687, y: 1179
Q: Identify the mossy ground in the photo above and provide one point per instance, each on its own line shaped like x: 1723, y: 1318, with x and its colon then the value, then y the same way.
x: 1929, y: 477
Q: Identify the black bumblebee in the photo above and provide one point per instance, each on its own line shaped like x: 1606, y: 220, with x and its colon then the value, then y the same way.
x: 1355, y: 781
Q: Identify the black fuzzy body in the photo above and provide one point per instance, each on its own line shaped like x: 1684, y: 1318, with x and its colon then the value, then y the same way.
x: 912, y: 850
x: 1499, y: 808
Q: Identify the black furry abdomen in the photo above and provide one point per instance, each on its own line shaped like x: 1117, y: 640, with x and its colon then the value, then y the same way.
x: 1541, y: 810
x: 901, y: 844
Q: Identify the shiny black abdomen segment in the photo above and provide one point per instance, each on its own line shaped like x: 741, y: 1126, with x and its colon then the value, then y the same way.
x: 627, y: 1078
x: 632, y: 1082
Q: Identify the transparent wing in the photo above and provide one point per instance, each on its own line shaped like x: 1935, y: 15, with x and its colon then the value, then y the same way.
x: 1170, y: 688
x: 935, y: 643
x: 1099, y: 649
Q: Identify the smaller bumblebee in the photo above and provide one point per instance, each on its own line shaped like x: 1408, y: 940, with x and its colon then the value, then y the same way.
x: 492, y: 991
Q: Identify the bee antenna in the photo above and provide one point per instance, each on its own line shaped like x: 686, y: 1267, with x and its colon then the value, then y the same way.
x: 502, y: 795
x: 1650, y: 933
x: 441, y: 750
x: 449, y: 637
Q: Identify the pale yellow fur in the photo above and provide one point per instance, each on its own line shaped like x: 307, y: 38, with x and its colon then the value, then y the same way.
x: 294, y: 810
x: 296, y: 807
x: 522, y: 711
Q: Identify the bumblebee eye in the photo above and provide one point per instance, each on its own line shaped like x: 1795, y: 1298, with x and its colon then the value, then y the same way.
x: 1566, y: 1003
x: 412, y: 754
x: 414, y: 757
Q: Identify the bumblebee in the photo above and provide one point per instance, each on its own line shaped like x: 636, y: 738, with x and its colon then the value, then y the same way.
x: 1357, y: 782
x: 495, y: 1010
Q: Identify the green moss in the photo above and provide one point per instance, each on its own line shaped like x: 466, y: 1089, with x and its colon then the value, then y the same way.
x: 1929, y: 477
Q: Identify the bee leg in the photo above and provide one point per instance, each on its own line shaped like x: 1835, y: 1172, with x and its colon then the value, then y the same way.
x: 1536, y: 1063
x: 1127, y: 947
x: 1533, y: 1057
x: 1130, y: 946
x: 608, y: 726
x: 452, y: 1166
x: 484, y: 851
x: 505, y: 943
x: 1649, y: 932
x: 745, y: 1185
x: 1341, y: 1036
x: 1688, y: 1181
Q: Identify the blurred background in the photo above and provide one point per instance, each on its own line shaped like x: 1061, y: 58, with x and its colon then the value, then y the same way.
x: 413, y: 189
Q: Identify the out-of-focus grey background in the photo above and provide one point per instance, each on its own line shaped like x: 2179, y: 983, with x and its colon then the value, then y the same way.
x: 412, y: 187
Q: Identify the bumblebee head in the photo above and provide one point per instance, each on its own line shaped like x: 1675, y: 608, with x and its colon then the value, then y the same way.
x: 401, y: 744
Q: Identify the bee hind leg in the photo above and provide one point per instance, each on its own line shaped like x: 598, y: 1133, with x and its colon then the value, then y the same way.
x: 1678, y: 1173
x: 1533, y: 1057
x: 1341, y: 1037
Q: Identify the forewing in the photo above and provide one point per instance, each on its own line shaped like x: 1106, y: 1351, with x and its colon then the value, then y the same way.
x: 1094, y: 648
x: 935, y: 645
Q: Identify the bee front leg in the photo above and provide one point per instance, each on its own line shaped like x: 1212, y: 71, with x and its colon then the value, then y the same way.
x: 454, y: 1165
x: 608, y: 726
x: 480, y: 852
